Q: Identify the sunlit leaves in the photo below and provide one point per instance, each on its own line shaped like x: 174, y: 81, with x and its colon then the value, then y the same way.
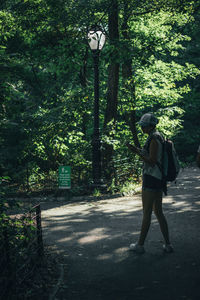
x: 170, y: 122
x: 156, y: 42
x: 158, y: 83
x: 7, y: 28
x: 47, y: 77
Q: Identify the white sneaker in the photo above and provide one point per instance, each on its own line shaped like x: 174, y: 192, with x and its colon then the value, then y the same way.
x: 137, y: 248
x: 168, y: 248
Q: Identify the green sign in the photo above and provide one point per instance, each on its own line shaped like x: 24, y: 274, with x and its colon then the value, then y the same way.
x: 64, y: 180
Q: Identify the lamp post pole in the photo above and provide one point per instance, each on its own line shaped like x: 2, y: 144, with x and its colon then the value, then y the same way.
x: 96, y: 39
x: 96, y: 143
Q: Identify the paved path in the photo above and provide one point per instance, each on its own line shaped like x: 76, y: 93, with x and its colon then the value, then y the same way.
x: 93, y: 237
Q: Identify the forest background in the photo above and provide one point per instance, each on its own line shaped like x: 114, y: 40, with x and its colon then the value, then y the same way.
x: 150, y: 63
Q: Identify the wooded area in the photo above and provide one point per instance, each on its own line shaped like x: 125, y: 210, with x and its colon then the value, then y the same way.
x: 150, y: 62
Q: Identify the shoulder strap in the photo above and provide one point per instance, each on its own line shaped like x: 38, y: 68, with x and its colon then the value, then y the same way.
x: 161, y: 168
x: 155, y: 135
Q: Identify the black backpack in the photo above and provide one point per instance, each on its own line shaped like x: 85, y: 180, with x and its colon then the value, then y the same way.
x: 170, y: 166
x: 170, y: 162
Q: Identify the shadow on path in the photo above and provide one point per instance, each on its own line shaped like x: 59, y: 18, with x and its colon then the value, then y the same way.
x: 94, y: 237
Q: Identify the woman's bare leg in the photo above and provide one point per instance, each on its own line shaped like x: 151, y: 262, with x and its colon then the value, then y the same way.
x: 157, y: 207
x: 147, y: 202
x: 153, y: 200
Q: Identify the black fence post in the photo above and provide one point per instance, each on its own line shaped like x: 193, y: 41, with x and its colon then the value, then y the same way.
x: 39, y: 231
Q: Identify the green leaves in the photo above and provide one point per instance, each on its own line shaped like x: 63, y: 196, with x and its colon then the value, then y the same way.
x: 47, y: 78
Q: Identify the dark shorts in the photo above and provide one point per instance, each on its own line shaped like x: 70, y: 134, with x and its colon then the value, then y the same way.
x: 151, y: 183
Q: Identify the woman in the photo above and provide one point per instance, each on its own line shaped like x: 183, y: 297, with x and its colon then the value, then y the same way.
x: 152, y: 187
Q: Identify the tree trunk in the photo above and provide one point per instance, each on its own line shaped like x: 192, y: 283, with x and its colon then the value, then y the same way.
x: 127, y: 74
x: 112, y: 93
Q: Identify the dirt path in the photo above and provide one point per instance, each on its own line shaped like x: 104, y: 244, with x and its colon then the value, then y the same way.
x: 93, y: 237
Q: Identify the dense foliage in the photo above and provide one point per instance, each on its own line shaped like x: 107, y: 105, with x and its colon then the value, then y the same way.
x: 46, y: 75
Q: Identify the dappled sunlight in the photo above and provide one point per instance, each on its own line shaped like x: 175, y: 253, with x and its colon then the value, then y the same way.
x: 91, y: 239
x: 94, y: 238
x: 105, y: 256
x: 78, y: 220
x: 183, y: 206
x: 185, y: 209
x: 154, y: 220
x: 113, y: 208
x: 84, y: 238
x: 121, y: 254
x: 68, y: 209
x: 66, y: 239
x: 117, y: 206
x: 58, y: 219
x: 118, y: 255
x: 94, y: 235
x: 80, y: 224
x: 96, y: 226
x: 76, y: 235
x: 118, y: 209
x: 187, y: 205
x: 121, y: 250
x: 60, y: 228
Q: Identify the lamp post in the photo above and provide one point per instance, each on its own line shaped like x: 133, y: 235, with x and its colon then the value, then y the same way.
x: 96, y: 39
